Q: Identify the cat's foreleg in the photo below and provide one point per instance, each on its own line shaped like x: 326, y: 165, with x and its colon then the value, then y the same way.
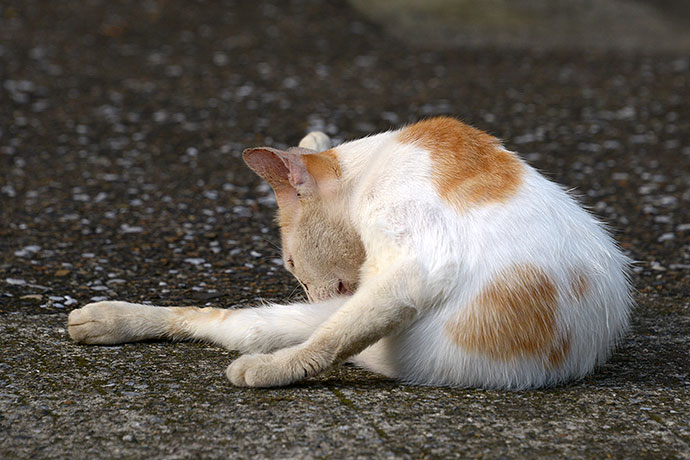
x: 381, y: 306
x: 249, y: 330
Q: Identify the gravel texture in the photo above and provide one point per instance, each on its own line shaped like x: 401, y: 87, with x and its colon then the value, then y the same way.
x: 121, y: 127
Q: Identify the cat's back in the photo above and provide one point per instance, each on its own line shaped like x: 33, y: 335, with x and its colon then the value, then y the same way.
x: 441, y: 158
x: 443, y: 175
x: 462, y: 182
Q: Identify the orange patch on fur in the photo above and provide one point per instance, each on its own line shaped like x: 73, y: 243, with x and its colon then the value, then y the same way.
x: 210, y: 313
x: 323, y: 166
x: 579, y: 284
x: 181, y: 311
x: 185, y: 315
x: 469, y: 167
x: 514, y: 316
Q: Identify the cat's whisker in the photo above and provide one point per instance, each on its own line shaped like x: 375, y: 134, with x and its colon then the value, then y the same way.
x: 295, y: 294
x: 273, y: 244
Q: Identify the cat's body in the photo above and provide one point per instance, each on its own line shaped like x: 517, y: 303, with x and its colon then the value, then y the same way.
x: 430, y: 254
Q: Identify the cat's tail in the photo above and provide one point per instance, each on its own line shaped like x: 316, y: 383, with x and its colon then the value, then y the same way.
x: 316, y: 140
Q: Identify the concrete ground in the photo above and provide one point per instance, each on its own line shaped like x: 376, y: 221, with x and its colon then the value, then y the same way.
x: 121, y: 125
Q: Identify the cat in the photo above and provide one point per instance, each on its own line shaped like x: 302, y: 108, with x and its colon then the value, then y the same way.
x: 429, y: 254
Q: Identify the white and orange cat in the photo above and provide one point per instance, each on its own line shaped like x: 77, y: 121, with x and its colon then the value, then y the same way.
x: 429, y: 254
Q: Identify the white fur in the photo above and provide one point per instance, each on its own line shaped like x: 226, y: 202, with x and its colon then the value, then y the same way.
x: 425, y: 263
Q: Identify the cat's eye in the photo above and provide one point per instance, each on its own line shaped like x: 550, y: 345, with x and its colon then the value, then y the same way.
x: 290, y: 262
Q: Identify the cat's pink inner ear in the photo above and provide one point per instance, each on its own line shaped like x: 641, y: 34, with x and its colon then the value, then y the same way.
x: 299, y: 176
x: 271, y: 167
x: 285, y: 172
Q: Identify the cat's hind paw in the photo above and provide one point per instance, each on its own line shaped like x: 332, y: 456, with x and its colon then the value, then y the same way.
x: 103, y: 323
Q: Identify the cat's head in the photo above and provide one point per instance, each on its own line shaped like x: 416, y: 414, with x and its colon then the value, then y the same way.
x: 320, y: 247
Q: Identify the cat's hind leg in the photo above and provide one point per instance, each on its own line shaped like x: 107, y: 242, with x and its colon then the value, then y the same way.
x: 254, y: 330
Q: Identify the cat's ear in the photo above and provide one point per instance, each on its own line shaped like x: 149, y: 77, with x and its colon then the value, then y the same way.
x: 285, y: 171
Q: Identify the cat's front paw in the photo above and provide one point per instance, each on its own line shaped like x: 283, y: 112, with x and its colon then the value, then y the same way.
x: 277, y: 369
x: 103, y: 323
x: 254, y: 371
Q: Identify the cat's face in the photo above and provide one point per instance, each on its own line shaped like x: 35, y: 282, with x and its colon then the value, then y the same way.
x: 319, y: 248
